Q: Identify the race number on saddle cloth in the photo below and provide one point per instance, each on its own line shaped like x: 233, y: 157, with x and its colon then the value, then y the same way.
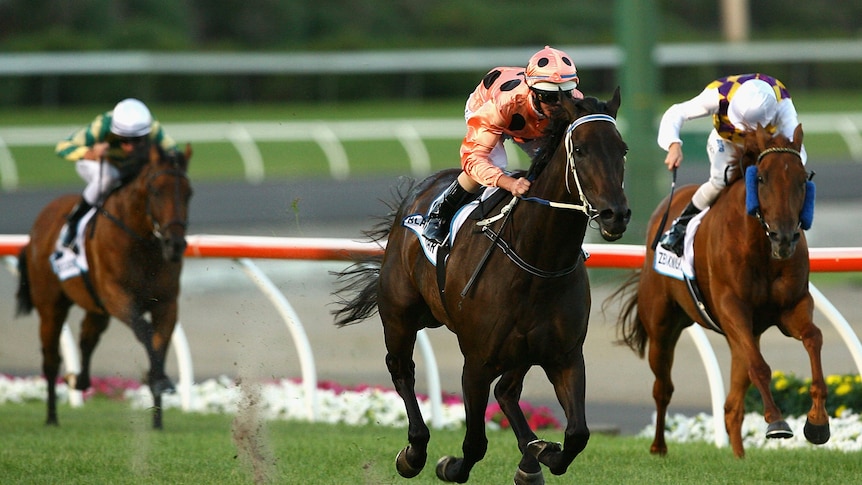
x: 71, y: 261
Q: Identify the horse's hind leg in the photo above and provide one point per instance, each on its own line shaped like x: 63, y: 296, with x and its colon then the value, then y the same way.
x: 402, y: 369
x: 50, y: 327
x: 663, y: 338
x: 92, y: 327
x: 476, y: 384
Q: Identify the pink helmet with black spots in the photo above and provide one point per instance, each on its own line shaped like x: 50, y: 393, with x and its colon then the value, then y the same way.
x: 551, y: 70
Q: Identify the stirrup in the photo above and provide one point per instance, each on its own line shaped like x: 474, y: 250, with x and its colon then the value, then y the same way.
x: 436, y: 229
x: 672, y: 241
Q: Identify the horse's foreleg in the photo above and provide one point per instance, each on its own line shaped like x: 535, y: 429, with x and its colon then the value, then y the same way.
x: 92, y: 327
x: 570, y: 388
x: 734, y: 404
x: 476, y: 385
x: 164, y: 318
x: 508, y: 393
x: 817, y: 423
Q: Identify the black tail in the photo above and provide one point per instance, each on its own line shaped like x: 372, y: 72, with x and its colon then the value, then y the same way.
x: 630, y: 329
x: 25, y: 302
x: 359, y: 282
x: 357, y: 285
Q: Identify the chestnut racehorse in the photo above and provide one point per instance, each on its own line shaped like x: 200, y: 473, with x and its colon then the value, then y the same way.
x: 751, y: 266
x: 134, y: 250
x: 515, y: 293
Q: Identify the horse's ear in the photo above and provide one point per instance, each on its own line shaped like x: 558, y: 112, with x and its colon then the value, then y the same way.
x: 568, y: 104
x: 797, y: 137
x: 614, y: 103
x: 763, y: 137
x: 188, y: 155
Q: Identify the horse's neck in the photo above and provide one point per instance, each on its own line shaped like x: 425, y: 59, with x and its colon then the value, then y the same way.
x: 128, y: 204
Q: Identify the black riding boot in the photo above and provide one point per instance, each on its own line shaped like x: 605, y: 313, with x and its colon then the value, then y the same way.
x: 673, y: 239
x: 72, y: 221
x: 442, y: 211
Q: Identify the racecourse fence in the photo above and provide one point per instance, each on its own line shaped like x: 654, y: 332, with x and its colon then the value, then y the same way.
x: 330, y: 136
x: 244, y: 249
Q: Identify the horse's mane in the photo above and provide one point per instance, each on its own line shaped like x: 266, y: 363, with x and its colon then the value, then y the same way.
x: 557, y: 127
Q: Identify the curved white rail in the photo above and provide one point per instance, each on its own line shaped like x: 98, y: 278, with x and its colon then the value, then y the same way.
x: 619, y: 256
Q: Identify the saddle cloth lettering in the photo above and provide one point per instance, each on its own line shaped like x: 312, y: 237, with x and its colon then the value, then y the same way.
x: 669, y: 264
x: 416, y: 223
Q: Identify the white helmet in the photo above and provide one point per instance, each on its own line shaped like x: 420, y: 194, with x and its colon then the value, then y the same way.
x: 753, y: 103
x: 131, y: 119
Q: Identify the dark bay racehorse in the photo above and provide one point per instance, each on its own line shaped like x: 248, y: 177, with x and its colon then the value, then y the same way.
x: 134, y: 248
x: 528, y: 306
x: 753, y: 273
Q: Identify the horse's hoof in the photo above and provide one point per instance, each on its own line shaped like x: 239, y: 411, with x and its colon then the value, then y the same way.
x: 537, y: 447
x: 524, y: 478
x: 162, y: 386
x: 404, y: 468
x: 816, y: 433
x: 779, y: 430
x: 442, y: 464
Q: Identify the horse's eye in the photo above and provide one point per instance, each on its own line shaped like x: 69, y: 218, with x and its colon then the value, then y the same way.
x: 760, y: 179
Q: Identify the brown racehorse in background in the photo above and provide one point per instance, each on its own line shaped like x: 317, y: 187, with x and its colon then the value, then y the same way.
x: 528, y: 305
x: 134, y: 248
x: 752, y: 271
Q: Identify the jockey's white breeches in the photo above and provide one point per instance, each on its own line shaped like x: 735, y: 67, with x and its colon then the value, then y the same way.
x: 100, y: 178
x: 720, y: 153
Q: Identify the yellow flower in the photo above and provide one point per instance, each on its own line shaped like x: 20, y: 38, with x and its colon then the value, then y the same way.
x: 777, y: 373
x: 802, y: 389
x: 843, y: 389
x: 781, y: 384
x: 840, y: 410
x: 833, y: 380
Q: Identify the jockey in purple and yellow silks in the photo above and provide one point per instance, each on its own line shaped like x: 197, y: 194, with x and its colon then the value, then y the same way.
x: 511, y: 103
x: 103, y: 152
x: 736, y: 103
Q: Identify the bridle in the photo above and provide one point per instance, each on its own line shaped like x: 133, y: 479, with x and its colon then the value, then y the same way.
x: 757, y: 213
x: 158, y: 229
x: 585, y: 205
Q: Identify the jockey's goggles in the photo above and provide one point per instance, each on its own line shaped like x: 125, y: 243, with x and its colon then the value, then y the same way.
x: 132, y: 140
x: 551, y: 97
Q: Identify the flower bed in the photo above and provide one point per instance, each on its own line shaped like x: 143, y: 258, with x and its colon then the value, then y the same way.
x: 363, y: 405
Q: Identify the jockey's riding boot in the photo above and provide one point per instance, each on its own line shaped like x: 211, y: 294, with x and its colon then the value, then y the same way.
x: 442, y: 211
x: 72, y: 221
x: 673, y: 239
